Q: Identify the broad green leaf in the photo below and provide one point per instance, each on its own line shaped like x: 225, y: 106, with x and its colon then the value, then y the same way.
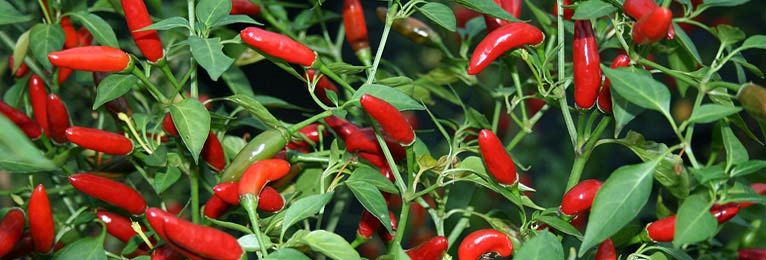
x: 345, y: 68
x: 14, y: 96
x: 592, y: 9
x: 728, y: 34
x: 192, y: 120
x: 232, y: 19
x: 755, y: 41
x: 440, y: 14
x: 748, y: 167
x: 620, y: 199
x: 540, y: 15
x: 9, y: 14
x: 88, y: 248
x: 209, y: 54
x: 623, y: 112
x: 163, y: 181
x: 676, y: 253
x: 44, y: 39
x: 544, y: 246
x: 735, y: 151
x: 694, y: 222
x: 561, y: 225
x: 714, y: 3
x: 17, y: 153
x: 112, y: 87
x: 396, y: 98
x: 237, y: 81
x: 668, y: 172
x: 687, y: 43
x: 167, y: 24
x: 330, y: 244
x: 100, y: 29
x: 286, y: 253
x: 639, y: 88
x: 708, y: 174
x: 249, y: 242
x: 304, y: 208
x: 20, y: 51
x: 709, y: 113
x: 256, y: 109
x: 372, y: 200
x: 487, y: 7
x: 210, y: 11
x: 372, y: 176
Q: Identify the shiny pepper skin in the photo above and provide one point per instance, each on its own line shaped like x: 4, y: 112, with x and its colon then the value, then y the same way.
x: 23, y: 69
x: 278, y: 45
x: 364, y: 141
x: 244, y: 7
x: 434, y: 249
x: 390, y: 119
x: 41, y: 220
x: 501, y: 40
x: 638, y: 8
x: 496, y: 158
x: 166, y: 252
x: 341, y: 127
x: 38, y: 97
x: 356, y: 27
x: 99, y: 140
x: 260, y: 173
x: 58, y: 118
x: 261, y: 147
x: 368, y: 224
x: 212, y: 152
x: 215, y: 207
x: 652, y: 27
x: 109, y: 191
x: 156, y: 218
x: 605, y: 97
x: 606, y: 251
x: 203, y: 241
x: 147, y: 41
x: 586, y: 65
x: 484, y: 241
x: 513, y: 7
x: 412, y: 29
x: 169, y: 126
x: 662, y: 230
x: 118, y: 226
x: 322, y: 86
x: 71, y: 38
x: 580, y: 197
x: 92, y: 58
x: 30, y: 128
x: 724, y: 212
x: 752, y: 254
x: 311, y: 132
x: 270, y: 200
x: 11, y: 228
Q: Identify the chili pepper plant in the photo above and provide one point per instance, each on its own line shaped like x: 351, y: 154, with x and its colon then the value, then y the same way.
x: 460, y: 129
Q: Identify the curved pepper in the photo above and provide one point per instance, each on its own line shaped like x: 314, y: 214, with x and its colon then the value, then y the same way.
x: 263, y: 146
x: 157, y: 218
x: 212, y: 152
x: 498, y: 161
x: 30, y: 128
x: 109, y: 191
x: 203, y: 241
x: 364, y: 141
x: 58, y: 118
x: 322, y: 86
x: 41, y: 220
x: 606, y: 251
x: 11, y: 228
x: 580, y: 197
x: 433, y: 249
x: 92, y: 58
x: 484, y: 241
x: 215, y: 207
x: 341, y: 127
x: 724, y: 212
x: 652, y: 27
x: 147, y: 41
x: 390, y: 119
x: 586, y: 65
x: 662, y: 230
x: 24, y: 246
x: 71, y: 38
x: 99, y: 140
x: 38, y: 97
x: 244, y: 7
x: 513, y: 7
x: 260, y: 173
x: 501, y: 40
x: 753, y: 99
x: 21, y: 71
x: 356, y: 29
x: 270, y: 199
x: 278, y: 45
x: 412, y: 29
x: 605, y: 97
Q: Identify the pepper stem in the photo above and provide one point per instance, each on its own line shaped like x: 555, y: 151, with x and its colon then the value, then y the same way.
x: 250, y: 202
x: 149, y: 85
x: 329, y: 73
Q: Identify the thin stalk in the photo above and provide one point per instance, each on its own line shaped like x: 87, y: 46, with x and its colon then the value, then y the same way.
x: 194, y: 190
x: 581, y: 159
x: 382, y: 44
x: 150, y: 86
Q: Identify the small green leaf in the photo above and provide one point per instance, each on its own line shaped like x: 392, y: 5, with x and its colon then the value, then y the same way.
x: 210, y: 11
x: 639, y: 88
x: 735, y: 151
x: 192, y: 120
x: 372, y: 176
x: 9, y: 14
x: 304, y: 208
x: 249, y: 242
x: 593, y: 9
x: 232, y: 19
x: 694, y: 222
x: 330, y: 244
x: 728, y: 34
x: 286, y: 253
x: 748, y: 167
x: 714, y: 3
x: 709, y: 113
x: 44, y: 39
x: 230, y: 225
x: 89, y: 248
x: 167, y: 24
x: 256, y: 109
x: 113, y: 87
x: 755, y: 41
x: 163, y: 181
x: 687, y: 43
x: 623, y: 112
x: 372, y: 200
x: 20, y: 51
x: 345, y: 68
x: 237, y: 81
x: 560, y: 225
x: 487, y: 7
x: 544, y: 246
x: 209, y: 54
x: 101, y: 30
x: 17, y: 153
x: 396, y: 98
x: 440, y: 14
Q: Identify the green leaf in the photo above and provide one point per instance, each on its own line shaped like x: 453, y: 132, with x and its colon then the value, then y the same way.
x: 372, y: 200
x: 372, y: 176
x: 89, y: 248
x: 192, y: 120
x: 345, y: 68
x: 561, y: 225
x: 163, y: 181
x: 256, y: 109
x: 396, y: 98
x: 708, y: 174
x: 237, y: 81
x: 735, y: 151
x: 17, y: 153
x: 440, y: 14
x: 687, y: 43
x: 269, y: 101
x: 620, y: 199
x: 728, y: 34
x: 44, y: 39
x: 232, y: 19
x: 167, y: 24
x: 694, y: 222
x: 544, y: 246
x: 101, y: 30
x: 20, y: 51
x: 755, y: 41
x: 739, y: 59
x: 113, y: 87
x: 230, y: 225
x: 623, y: 112
x: 330, y: 244
x: 249, y: 242
x: 748, y: 167
x: 9, y: 14
x: 286, y: 253
x: 593, y: 9
x: 304, y: 208
x: 709, y: 113
x: 713, y: 3
x: 639, y: 88
x: 210, y: 11
x: 209, y: 54
x: 487, y: 7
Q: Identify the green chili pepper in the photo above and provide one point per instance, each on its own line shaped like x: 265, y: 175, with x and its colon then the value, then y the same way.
x: 412, y: 29
x: 263, y: 146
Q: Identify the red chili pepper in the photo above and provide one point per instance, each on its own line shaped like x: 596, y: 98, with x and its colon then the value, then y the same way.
x: 169, y: 126
x: 109, y: 191
x: 498, y: 161
x: 390, y: 119
x: 652, y: 27
x: 662, y: 230
x: 501, y: 40
x: 752, y: 254
x: 92, y: 58
x: 85, y: 38
x: 212, y: 152
x: 364, y: 141
x: 484, y: 241
x: 433, y: 249
x: 587, y: 70
x: 311, y: 132
x: 605, y: 97
x: 147, y: 41
x: 513, y: 7
x: 368, y: 224
x: 342, y: 128
x: 64, y: 74
x: 383, y: 233
x: 580, y: 220
x: 71, y: 39
x: 215, y: 207
x: 23, y: 69
x: 375, y: 159
x: 606, y: 251
x: 38, y: 97
x: 30, y: 128
x: 203, y: 241
x: 580, y: 197
x: 99, y: 140
x: 671, y: 32
x: 322, y: 86
x: 724, y: 212
x: 11, y: 228
x: 639, y: 8
x: 278, y: 45
x: 23, y: 247
x: 356, y: 29
x: 759, y: 188
x: 568, y: 13
x: 244, y: 7
x: 119, y: 226
x: 41, y: 220
x: 157, y: 219
x: 260, y: 173
x: 166, y: 252
x: 463, y: 15
x: 270, y: 200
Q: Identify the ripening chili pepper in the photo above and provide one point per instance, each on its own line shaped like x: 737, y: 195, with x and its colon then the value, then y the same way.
x: 342, y: 128
x: 168, y: 125
x: 157, y: 219
x: 23, y: 247
x: 605, y: 97
x: 260, y: 173
x: 390, y: 119
x: 270, y: 200
x: 759, y: 188
x: 311, y: 132
x: 244, y: 7
x: 568, y: 13
x: 119, y: 226
x: 30, y: 128
x: 639, y: 8
x: 38, y: 97
x: 364, y: 141
x: 383, y: 232
x: 11, y: 229
x: 580, y: 197
x: 23, y: 69
x: 212, y: 152
x: 147, y: 41
x: 671, y: 32
x: 377, y: 160
x: 412, y: 29
x: 215, y: 207
x: 463, y: 15
x: 751, y: 254
x: 229, y: 192
x: 513, y: 7
x: 64, y: 74
x: 356, y: 29
x: 501, y: 40
x: 71, y: 38
x: 586, y: 65
x: 724, y: 212
x: 433, y: 249
x: 263, y: 146
x: 84, y: 36
x: 606, y: 251
x: 41, y: 220
x: 278, y: 45
x: 99, y: 140
x: 484, y: 241
x: 92, y: 58
x: 322, y: 86
x: 109, y: 191
x: 753, y: 99
x: 166, y: 252
x: 662, y: 230
x: 497, y: 159
x: 652, y: 27
x: 580, y: 220
x: 368, y: 224
x: 203, y: 241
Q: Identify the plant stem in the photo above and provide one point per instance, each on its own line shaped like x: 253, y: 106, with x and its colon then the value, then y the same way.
x: 150, y: 86
x: 460, y: 226
x: 581, y: 159
x: 194, y: 190
x: 382, y: 44
x: 250, y: 203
